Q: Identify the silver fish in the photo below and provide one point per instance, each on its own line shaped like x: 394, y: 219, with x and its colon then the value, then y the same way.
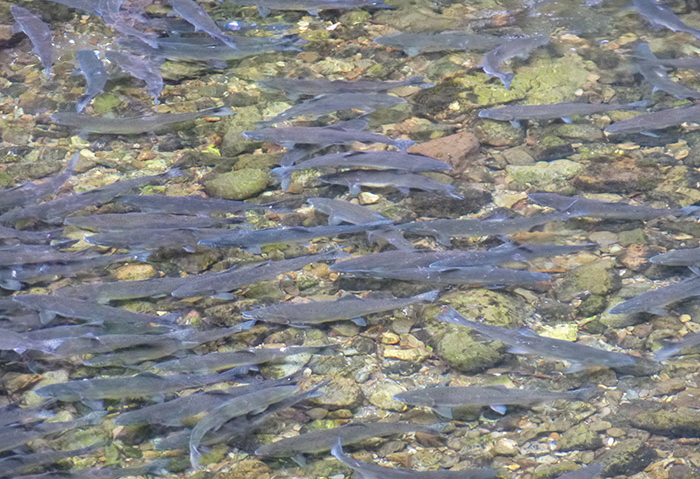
x: 508, y: 252
x: 321, y: 104
x: 416, y: 43
x: 141, y: 385
x: 657, y: 120
x: 670, y: 348
x: 86, y: 124
x: 401, y: 180
x: 372, y: 471
x: 311, y: 6
x: 339, y: 211
x: 117, y: 290
x: 13, y: 466
x: 147, y: 238
x: 95, y: 75
x: 187, y: 205
x: 140, y: 68
x: 256, y: 401
x: 347, y: 307
x: 36, y: 254
x: 200, y: 20
x: 517, y: 47
x: 516, y: 113
x: 322, y: 135
x: 19, y: 343
x: 130, y: 221
x: 14, y: 414
x: 658, y: 300
x: 324, y: 439
x: 585, y: 472
x: 473, y: 275
x: 444, y: 229
x: 251, y: 240
x: 12, y: 438
x: 39, y: 34
x: 528, y: 342
x: 319, y: 86
x: 660, y: 15
x: 580, y: 206
x: 679, y: 257
x: 656, y: 75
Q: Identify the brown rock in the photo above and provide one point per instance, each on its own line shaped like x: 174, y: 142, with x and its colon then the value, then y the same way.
x: 624, y: 176
x: 453, y: 149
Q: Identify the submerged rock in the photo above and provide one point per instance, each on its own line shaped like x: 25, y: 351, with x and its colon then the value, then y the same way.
x: 238, y: 184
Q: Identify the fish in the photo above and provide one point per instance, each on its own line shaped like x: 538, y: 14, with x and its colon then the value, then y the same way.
x: 658, y: 300
x: 28, y: 236
x: 379, y: 263
x: 121, y: 387
x: 656, y: 120
x: 50, y: 306
x: 401, y: 180
x: 443, y: 398
x: 157, y: 467
x: 174, y: 412
x: 201, y: 21
x: 581, y: 206
x: 19, y: 343
x: 118, y: 290
x: 87, y: 124
x: 252, y: 240
x: 516, y: 47
x: 56, y: 210
x: 12, y: 466
x: 656, y: 75
x: 322, y: 104
x: 294, y: 88
x: 187, y: 205
x: 672, y: 348
x: 322, y: 135
x: 30, y: 192
x: 516, y: 113
x: 528, y: 342
x: 15, y: 414
x: 153, y: 221
x: 347, y: 307
x: 21, y: 255
x: 473, y: 275
x: 323, y: 439
x: 38, y: 32
x: 95, y: 75
x: 135, y: 355
x: 508, y: 252
x: 140, y: 68
x: 682, y: 63
x: 660, y: 15
x: 445, y: 229
x: 371, y: 471
x: 393, y: 160
x: 148, y: 238
x: 416, y: 43
x: 679, y: 257
x: 310, y: 6
x: 219, y: 361
x: 256, y: 401
x: 339, y: 211
x: 585, y: 472
x: 12, y: 438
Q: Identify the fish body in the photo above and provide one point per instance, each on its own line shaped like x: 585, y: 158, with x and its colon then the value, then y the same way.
x: 119, y: 290
x: 473, y: 275
x: 14, y: 414
x: 660, y: 15
x: 39, y: 34
x: 13, y: 466
x: 324, y: 439
x: 679, y: 257
x: 658, y: 300
x: 322, y: 135
x: 580, y: 206
x: 139, y: 68
x: 585, y: 472
x: 95, y: 75
x: 528, y: 342
x: 21, y: 255
x: 444, y: 229
x: 399, y: 179
x: 349, y: 307
x: 130, y: 221
x: 12, y: 438
x: 416, y: 43
x: 256, y: 401
x: 506, y: 253
x: 322, y: 104
x: 372, y: 471
x: 296, y: 87
x: 673, y: 348
x: 656, y: 75
x: 311, y: 6
x: 517, y: 47
x: 516, y: 113
x: 656, y: 120
x: 149, y: 238
x: 200, y: 20
x: 187, y: 205
x: 87, y: 124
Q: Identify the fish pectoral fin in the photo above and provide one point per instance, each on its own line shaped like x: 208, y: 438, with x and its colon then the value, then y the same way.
x: 359, y: 321
x: 45, y: 317
x: 94, y: 404
x: 517, y: 350
x: 225, y: 296
x: 499, y: 408
x: 299, y: 459
x: 263, y: 11
x: 574, y: 367
x: 515, y: 123
x: 566, y: 119
x: 444, y: 411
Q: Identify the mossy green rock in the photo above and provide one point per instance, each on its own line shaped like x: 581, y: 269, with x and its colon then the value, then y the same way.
x: 233, y: 141
x: 238, y: 184
x: 545, y: 175
x: 457, y: 347
x: 627, y: 458
x: 499, y: 133
x: 676, y: 422
x: 496, y: 308
x: 598, y: 277
x: 579, y: 438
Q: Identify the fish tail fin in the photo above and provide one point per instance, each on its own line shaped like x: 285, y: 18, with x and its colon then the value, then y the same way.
x: 668, y: 349
x: 403, y: 143
x: 639, y: 104
x: 429, y: 296
x: 584, y: 394
x: 690, y: 211
x: 220, y: 111
x: 284, y: 175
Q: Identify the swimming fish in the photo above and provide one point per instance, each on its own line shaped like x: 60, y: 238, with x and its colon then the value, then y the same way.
x: 517, y: 47
x: 95, y: 75
x: 39, y: 34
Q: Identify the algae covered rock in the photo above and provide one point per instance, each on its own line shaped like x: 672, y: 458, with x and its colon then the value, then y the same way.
x: 596, y: 278
x: 546, y: 175
x: 238, y: 184
x: 626, y: 458
x: 494, y: 307
x: 457, y: 347
x: 676, y: 422
x: 579, y: 438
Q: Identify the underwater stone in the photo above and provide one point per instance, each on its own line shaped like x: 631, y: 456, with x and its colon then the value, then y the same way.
x: 625, y: 176
x: 579, y: 438
x: 676, y: 422
x: 453, y: 149
x: 499, y: 133
x: 463, y: 353
x: 496, y: 308
x: 238, y: 184
x: 382, y: 396
x: 627, y: 457
x: 598, y: 277
x: 545, y: 175
x: 133, y: 272
x: 341, y: 393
